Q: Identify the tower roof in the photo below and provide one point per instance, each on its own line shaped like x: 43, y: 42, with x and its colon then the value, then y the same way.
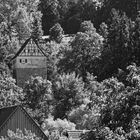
x: 24, y: 45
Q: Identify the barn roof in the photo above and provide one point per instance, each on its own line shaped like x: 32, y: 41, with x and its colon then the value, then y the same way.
x: 24, y: 45
x: 6, y: 113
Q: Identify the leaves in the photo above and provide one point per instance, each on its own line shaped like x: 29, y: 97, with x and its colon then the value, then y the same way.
x: 85, y: 48
x: 11, y: 94
x: 38, y: 97
x: 50, y: 124
x: 56, y: 33
x: 68, y: 91
x: 28, y: 135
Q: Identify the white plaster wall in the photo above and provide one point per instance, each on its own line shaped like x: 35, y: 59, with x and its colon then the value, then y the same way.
x: 32, y: 62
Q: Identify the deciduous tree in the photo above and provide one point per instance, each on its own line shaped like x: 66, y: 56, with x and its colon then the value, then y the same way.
x: 10, y: 93
x: 38, y: 97
x: 68, y: 91
x: 85, y: 48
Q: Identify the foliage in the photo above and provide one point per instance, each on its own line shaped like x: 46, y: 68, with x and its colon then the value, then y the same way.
x: 103, y: 30
x: 59, y: 125
x: 85, y: 118
x: 85, y: 48
x: 36, y: 28
x: 28, y: 135
x: 69, y: 13
x: 87, y: 26
x: 52, y: 51
x: 135, y: 42
x: 127, y: 6
x: 38, y: 97
x: 11, y: 94
x: 50, y: 12
x: 104, y: 133
x: 7, y: 46
x: 68, y: 92
x: 56, y: 33
x: 126, y: 111
x: 117, y: 52
x: 108, y: 104
x: 99, y: 96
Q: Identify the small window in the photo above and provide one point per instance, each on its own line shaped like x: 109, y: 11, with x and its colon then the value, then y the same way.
x: 23, y: 61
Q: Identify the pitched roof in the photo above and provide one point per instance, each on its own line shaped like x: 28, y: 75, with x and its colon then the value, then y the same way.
x: 6, y: 113
x: 24, y: 45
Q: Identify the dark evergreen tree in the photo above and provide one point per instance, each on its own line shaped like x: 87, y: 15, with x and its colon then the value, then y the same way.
x: 127, y: 6
x: 135, y: 40
x: 51, y: 14
x: 56, y: 33
x: 36, y: 28
x: 117, y: 50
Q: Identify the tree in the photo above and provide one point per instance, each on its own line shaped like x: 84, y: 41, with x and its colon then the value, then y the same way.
x: 87, y: 26
x: 127, y: 6
x: 125, y: 112
x: 117, y: 52
x: 56, y: 33
x: 22, y: 24
x: 10, y: 93
x: 85, y: 118
x: 68, y: 92
x: 135, y: 42
x: 38, y: 97
x: 103, y: 30
x: 89, y: 9
x: 50, y: 12
x: 84, y: 49
x: 50, y: 125
x: 36, y: 27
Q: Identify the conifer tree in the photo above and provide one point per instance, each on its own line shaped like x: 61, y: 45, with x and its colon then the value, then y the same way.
x: 117, y: 51
x: 56, y: 33
x: 36, y: 27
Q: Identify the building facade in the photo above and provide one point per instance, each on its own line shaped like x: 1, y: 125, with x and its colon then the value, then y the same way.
x: 29, y: 61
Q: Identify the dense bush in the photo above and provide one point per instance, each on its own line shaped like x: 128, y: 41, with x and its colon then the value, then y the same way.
x: 19, y: 135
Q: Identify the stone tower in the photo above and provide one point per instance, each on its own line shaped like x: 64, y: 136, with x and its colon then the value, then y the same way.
x: 29, y: 61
